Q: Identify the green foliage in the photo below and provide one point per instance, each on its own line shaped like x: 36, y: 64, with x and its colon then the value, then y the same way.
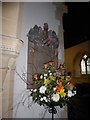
x: 54, y: 87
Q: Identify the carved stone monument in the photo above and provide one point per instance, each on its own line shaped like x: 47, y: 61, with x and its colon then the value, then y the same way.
x: 42, y: 47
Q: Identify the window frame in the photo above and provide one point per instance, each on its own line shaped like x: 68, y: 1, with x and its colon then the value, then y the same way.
x: 85, y: 60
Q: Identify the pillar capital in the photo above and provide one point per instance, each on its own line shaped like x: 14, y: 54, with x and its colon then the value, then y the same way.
x: 10, y: 45
x: 9, y: 51
x: 61, y: 8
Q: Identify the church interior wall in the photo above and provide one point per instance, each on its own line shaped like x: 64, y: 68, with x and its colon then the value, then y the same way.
x: 72, y: 59
x: 33, y: 14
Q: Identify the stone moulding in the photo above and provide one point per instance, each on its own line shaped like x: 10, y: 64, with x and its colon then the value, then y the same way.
x: 10, y: 45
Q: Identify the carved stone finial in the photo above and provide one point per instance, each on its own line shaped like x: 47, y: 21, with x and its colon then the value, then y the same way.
x: 43, y: 37
x: 61, y: 8
x: 45, y: 26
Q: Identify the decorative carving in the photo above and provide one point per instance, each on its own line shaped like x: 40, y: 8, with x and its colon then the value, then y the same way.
x: 10, y: 45
x: 43, y: 37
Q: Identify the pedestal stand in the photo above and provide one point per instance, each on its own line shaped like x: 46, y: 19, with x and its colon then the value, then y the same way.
x: 53, y: 111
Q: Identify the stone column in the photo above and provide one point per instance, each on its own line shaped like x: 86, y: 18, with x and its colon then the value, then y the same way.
x: 9, y: 50
x: 0, y: 63
x: 10, y: 46
x: 60, y: 10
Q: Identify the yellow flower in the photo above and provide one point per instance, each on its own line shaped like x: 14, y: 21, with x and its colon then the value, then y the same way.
x: 46, y: 82
x: 62, y: 77
x: 68, y: 78
x: 52, y: 77
x: 62, y: 93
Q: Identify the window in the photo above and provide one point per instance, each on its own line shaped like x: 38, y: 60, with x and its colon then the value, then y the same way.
x: 85, y: 65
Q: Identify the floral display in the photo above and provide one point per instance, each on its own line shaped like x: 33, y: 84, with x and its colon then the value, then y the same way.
x: 53, y: 86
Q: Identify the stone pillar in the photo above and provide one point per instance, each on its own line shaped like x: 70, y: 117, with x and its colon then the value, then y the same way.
x: 0, y: 63
x: 9, y: 50
x: 60, y: 10
x: 10, y: 46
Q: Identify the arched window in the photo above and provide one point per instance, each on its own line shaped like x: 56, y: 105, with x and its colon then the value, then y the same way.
x: 85, y: 65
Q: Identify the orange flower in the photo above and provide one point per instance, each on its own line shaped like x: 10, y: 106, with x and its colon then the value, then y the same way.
x: 58, y: 88
x: 58, y: 70
x: 52, y: 63
x: 35, y: 76
x: 60, y: 80
x: 45, y: 65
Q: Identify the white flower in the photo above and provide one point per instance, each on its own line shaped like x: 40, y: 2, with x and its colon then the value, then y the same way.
x: 31, y: 90
x: 42, y: 89
x: 74, y: 92
x: 39, y: 95
x: 54, y: 89
x: 35, y: 98
x: 50, y: 73
x: 41, y: 77
x: 34, y: 90
x: 55, y: 97
x: 70, y: 94
x: 45, y: 75
x: 41, y: 99
x: 55, y: 74
x: 44, y: 98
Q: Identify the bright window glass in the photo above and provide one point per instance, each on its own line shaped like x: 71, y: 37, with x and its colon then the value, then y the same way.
x: 83, y: 69
x: 85, y: 65
x: 88, y: 66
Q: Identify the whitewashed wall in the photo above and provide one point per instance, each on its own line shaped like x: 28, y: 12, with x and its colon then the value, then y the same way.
x: 33, y: 14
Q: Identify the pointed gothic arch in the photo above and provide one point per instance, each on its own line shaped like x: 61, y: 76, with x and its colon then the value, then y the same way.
x: 85, y: 65
x: 78, y: 64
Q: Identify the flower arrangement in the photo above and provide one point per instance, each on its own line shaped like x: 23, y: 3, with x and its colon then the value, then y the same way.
x: 53, y: 86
